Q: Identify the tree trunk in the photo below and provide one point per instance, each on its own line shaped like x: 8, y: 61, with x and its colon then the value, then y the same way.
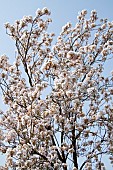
x: 74, y: 147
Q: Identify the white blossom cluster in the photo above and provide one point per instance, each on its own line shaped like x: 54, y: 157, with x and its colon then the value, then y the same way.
x: 75, y: 118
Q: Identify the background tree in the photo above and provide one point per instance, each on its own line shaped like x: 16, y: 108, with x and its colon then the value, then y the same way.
x: 59, y: 104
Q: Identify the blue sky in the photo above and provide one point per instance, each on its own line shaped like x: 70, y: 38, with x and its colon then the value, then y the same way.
x: 62, y: 12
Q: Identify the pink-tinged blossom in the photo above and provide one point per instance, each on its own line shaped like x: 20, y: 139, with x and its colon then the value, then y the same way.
x: 58, y: 101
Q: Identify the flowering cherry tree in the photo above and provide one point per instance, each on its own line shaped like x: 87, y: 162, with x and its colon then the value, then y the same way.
x: 59, y: 103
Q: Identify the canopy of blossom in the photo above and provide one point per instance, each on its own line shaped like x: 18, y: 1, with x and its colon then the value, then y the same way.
x: 59, y: 103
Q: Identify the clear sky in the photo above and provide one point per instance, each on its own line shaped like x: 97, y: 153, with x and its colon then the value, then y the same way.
x: 62, y: 12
